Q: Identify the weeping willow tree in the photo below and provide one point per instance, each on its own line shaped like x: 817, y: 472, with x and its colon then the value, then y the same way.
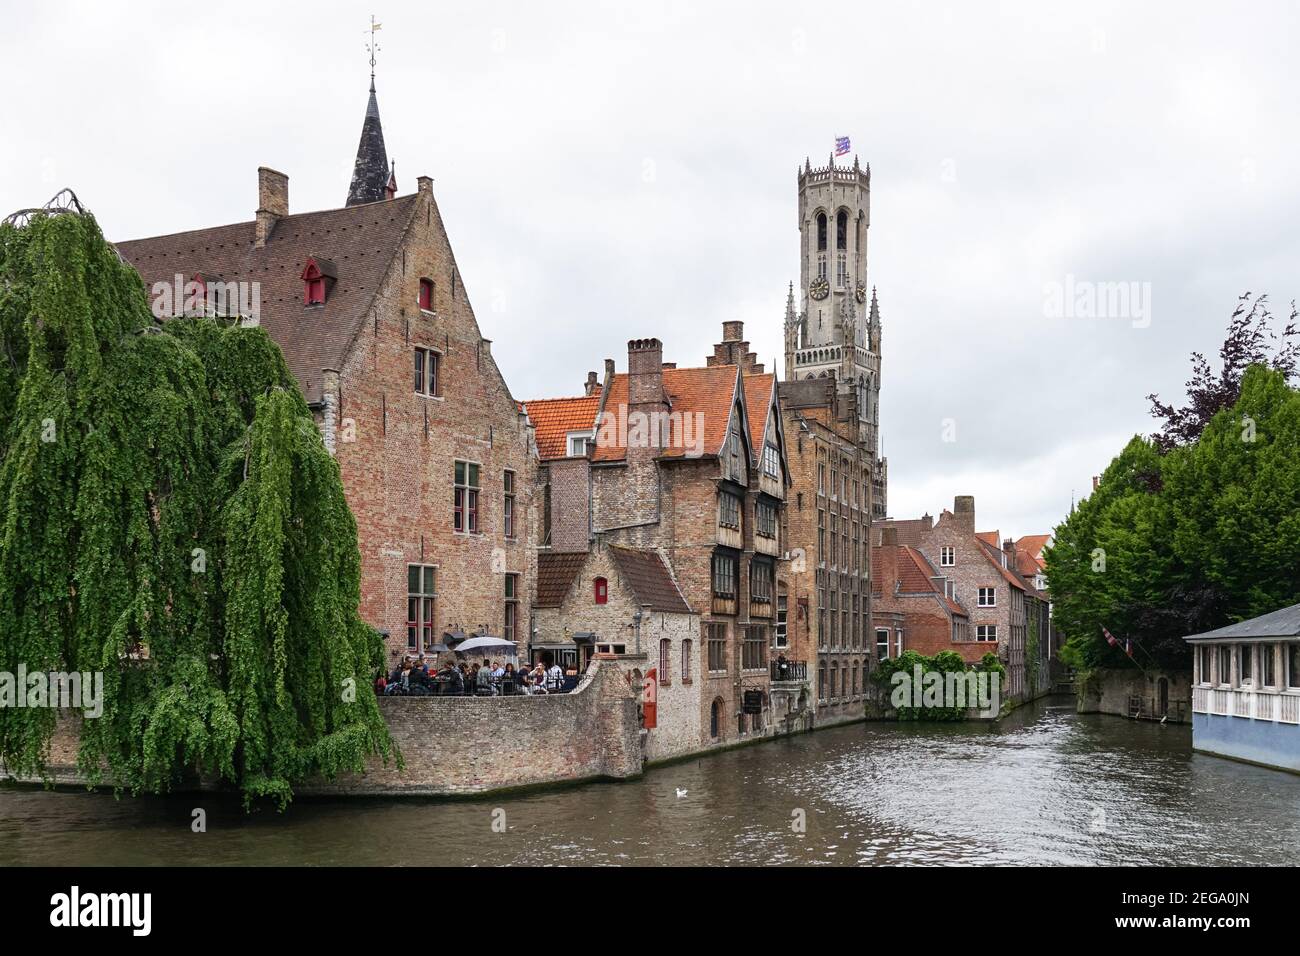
x: 171, y: 519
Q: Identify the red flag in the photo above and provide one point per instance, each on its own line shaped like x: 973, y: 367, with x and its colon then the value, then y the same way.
x: 1110, y: 638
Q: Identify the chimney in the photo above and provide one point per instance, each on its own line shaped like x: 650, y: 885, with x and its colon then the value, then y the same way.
x: 1009, y: 552
x: 963, y: 511
x: 645, y: 393
x: 591, y: 385
x: 424, y: 185
x: 272, y: 203
x: 889, y: 537
x: 1096, y: 480
x: 734, y: 350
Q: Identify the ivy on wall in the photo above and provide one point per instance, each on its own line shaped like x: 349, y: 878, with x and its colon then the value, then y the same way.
x: 170, y: 518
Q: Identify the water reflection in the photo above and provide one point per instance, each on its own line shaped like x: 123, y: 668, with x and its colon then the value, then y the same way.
x: 1044, y: 786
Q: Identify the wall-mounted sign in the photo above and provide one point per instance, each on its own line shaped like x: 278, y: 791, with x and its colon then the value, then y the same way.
x: 753, y: 703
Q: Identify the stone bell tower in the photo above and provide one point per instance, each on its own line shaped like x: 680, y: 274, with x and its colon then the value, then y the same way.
x: 836, y: 330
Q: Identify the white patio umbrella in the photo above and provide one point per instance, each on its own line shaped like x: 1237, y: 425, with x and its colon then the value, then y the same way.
x: 494, y: 644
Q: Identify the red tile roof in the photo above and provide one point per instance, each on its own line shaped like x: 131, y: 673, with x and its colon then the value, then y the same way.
x: 361, y: 241
x: 994, y: 556
x: 706, y: 391
x: 990, y: 538
x: 758, y: 402
x: 1033, y: 545
x: 914, y: 576
x: 555, y: 418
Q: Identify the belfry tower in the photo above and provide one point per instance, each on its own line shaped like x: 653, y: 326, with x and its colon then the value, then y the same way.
x: 832, y: 325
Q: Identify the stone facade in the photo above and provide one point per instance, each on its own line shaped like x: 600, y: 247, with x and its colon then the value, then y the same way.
x: 835, y: 333
x: 391, y: 307
x: 828, y: 522
x: 659, y: 640
x: 465, y: 745
x: 705, y: 492
x: 399, y: 448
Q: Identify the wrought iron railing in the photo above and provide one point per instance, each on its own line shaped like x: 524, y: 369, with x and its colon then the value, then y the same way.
x: 789, y: 670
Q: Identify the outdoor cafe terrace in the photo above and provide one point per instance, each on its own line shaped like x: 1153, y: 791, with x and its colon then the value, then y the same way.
x: 474, y: 667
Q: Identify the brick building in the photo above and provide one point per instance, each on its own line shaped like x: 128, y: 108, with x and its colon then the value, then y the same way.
x: 624, y: 603
x: 912, y: 608
x: 437, y: 459
x: 1006, y: 612
x: 688, y: 464
x: 828, y: 522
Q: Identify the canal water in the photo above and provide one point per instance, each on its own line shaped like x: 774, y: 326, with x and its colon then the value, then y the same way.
x: 1043, y: 786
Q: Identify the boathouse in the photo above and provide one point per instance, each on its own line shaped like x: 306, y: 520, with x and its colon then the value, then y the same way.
x: 1246, y: 690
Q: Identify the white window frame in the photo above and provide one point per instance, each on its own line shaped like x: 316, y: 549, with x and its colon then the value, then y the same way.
x: 585, y: 437
x: 947, y: 556
x: 988, y: 629
x: 990, y: 593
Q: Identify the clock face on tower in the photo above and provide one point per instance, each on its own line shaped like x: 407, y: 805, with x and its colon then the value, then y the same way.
x: 819, y: 289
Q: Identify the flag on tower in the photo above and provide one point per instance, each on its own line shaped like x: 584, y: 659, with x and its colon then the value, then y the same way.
x: 842, y: 145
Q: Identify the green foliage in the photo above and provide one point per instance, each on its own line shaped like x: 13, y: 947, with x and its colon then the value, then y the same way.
x: 1175, y: 544
x: 943, y: 663
x: 171, y: 519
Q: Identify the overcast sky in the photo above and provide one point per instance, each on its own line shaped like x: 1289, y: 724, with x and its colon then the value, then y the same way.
x: 610, y: 171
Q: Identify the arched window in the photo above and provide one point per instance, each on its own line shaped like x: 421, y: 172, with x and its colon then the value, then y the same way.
x: 821, y: 232
x: 602, y: 590
x: 835, y: 679
x: 842, y: 230
x: 686, y: 660
x: 715, y: 719
x: 313, y: 284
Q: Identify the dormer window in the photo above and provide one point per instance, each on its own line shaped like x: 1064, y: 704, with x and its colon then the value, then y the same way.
x: 426, y: 295
x: 318, y: 277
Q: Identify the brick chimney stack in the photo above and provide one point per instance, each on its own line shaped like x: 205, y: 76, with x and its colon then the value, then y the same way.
x: 645, y: 396
x: 272, y: 203
x: 589, y: 388
x: 1009, y: 552
x: 963, y: 510
x: 734, y: 350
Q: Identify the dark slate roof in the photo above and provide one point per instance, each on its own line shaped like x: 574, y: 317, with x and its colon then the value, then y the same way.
x: 648, y: 577
x: 1281, y: 623
x: 555, y: 573
x: 370, y: 172
x: 359, y: 241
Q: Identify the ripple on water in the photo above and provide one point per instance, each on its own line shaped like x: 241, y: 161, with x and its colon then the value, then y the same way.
x: 1042, y: 786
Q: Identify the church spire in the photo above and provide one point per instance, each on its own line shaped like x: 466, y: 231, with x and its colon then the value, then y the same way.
x: 370, y: 172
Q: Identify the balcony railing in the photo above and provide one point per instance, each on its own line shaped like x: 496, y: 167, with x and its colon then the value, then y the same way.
x: 789, y: 670
x: 1257, y: 705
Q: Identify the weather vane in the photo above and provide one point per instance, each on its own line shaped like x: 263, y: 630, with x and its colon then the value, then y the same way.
x: 372, y: 47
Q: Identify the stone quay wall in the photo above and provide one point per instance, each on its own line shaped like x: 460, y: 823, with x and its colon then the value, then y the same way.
x: 466, y: 745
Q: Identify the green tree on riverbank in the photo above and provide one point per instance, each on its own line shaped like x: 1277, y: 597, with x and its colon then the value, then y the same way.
x: 1190, y: 530
x: 172, y: 519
